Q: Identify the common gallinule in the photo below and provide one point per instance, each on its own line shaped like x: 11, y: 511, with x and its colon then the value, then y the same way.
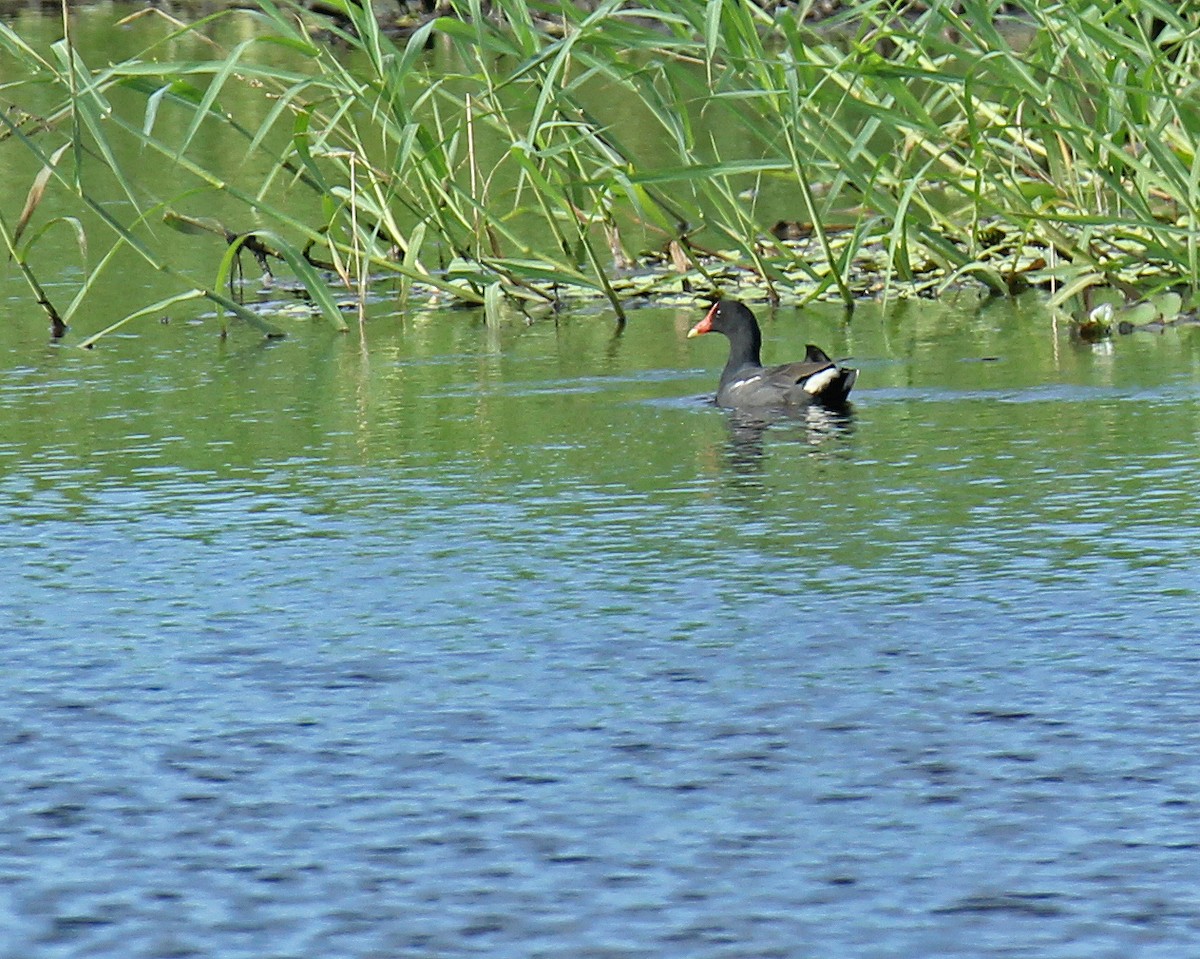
x: 746, y: 383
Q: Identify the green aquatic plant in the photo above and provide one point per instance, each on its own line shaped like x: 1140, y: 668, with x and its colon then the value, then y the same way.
x: 522, y: 153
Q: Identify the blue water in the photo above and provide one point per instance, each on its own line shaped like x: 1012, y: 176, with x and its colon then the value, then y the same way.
x: 596, y: 671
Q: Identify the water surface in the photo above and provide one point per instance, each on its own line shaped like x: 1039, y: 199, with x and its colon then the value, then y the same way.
x: 447, y: 640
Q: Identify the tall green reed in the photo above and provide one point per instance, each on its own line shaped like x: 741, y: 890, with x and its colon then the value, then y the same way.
x: 520, y: 152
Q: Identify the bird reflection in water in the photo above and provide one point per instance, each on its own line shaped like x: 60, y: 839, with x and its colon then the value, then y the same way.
x: 822, y: 429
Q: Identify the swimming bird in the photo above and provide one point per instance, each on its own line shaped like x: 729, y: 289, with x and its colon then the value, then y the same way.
x: 746, y: 383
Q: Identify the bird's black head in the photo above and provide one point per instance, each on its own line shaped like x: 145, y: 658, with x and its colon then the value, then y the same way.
x: 726, y: 316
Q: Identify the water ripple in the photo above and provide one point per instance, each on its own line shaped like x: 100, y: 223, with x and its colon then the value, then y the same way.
x: 627, y: 678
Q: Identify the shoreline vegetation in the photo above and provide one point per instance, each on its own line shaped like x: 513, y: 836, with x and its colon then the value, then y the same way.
x: 557, y: 153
